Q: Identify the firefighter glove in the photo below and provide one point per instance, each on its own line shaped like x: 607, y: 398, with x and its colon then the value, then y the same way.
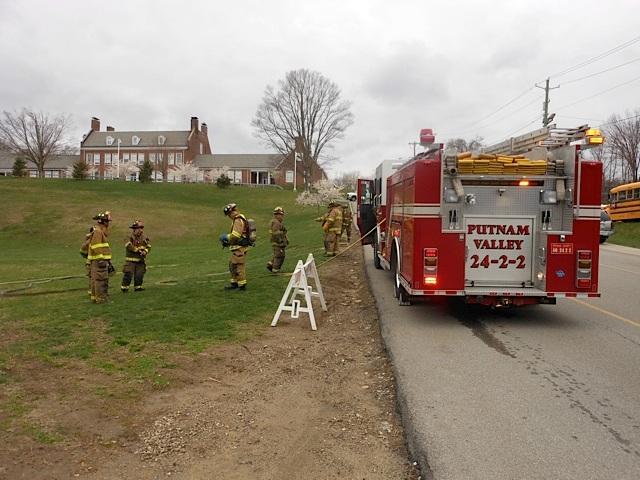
x: 111, y: 269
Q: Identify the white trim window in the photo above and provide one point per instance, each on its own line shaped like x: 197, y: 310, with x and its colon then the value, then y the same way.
x: 125, y: 158
x: 172, y: 158
x: 110, y: 140
x: 140, y: 158
x: 33, y: 173
x: 161, y: 139
x: 108, y: 157
x: 178, y: 158
x: 201, y: 148
x: 152, y: 157
x: 135, y: 140
x: 235, y: 176
x: 289, y: 176
x: 108, y: 175
x: 96, y: 159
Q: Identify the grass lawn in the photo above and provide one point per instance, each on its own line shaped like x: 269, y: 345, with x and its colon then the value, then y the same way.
x: 184, y: 307
x: 626, y: 233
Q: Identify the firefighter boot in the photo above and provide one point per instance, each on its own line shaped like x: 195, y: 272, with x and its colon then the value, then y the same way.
x: 231, y: 286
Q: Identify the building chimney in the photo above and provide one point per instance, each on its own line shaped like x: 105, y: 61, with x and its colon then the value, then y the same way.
x: 95, y: 124
x: 205, y: 131
x: 110, y: 129
x: 194, y: 124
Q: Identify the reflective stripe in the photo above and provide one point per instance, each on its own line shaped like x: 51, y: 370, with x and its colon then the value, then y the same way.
x: 101, y: 256
x: 236, y: 234
x: 131, y: 259
x: 99, y: 245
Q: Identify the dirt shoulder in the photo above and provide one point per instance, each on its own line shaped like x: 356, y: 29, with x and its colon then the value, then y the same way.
x: 291, y: 403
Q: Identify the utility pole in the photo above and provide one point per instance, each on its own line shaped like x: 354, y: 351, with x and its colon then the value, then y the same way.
x: 546, y: 118
x: 414, y: 147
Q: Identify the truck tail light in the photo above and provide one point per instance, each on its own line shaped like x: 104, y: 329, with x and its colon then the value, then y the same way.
x: 584, y: 264
x: 430, y: 272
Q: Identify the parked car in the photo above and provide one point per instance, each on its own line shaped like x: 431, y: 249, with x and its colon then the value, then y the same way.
x: 606, y: 226
x: 352, y: 196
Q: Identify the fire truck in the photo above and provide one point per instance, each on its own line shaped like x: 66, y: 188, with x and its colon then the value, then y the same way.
x: 512, y: 225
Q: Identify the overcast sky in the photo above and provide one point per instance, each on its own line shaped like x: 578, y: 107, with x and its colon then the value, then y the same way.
x: 404, y: 65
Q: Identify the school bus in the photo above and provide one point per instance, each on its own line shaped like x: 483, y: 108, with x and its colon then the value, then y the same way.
x: 624, y: 202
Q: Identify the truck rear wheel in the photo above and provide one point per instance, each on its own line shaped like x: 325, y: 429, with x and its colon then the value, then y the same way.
x: 398, y: 290
x: 396, y: 275
x: 376, y: 258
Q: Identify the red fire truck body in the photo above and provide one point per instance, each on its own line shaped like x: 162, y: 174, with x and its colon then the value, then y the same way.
x: 522, y: 232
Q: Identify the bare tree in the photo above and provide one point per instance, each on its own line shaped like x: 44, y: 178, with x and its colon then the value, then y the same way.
x: 347, y: 180
x: 463, y: 145
x: 306, y: 105
x: 34, y: 135
x: 623, y: 137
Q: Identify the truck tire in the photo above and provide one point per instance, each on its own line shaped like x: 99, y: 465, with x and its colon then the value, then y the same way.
x: 396, y: 274
x: 376, y: 258
x: 398, y: 290
x: 603, y: 238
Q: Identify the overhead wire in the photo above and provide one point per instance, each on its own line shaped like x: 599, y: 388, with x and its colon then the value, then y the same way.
x: 599, y: 93
x: 600, y: 72
x: 597, y: 57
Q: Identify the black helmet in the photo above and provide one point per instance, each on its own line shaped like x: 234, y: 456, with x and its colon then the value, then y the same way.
x: 137, y: 224
x: 228, y: 208
x: 103, y: 217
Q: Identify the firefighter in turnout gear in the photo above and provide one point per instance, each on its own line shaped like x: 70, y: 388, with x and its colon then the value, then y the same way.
x: 236, y: 241
x: 279, y: 240
x: 84, y: 251
x: 99, y: 256
x: 332, y: 227
x: 136, y: 251
x: 347, y: 220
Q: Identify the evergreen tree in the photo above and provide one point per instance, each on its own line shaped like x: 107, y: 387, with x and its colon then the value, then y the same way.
x: 80, y: 170
x: 146, y: 171
x: 19, y: 168
x: 223, y: 181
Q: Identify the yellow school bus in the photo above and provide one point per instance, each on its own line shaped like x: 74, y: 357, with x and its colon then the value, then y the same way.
x: 624, y: 202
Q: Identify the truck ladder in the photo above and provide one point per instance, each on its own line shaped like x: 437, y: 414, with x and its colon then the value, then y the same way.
x: 549, y: 137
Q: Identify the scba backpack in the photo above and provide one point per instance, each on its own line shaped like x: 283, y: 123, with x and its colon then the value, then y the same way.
x: 249, y: 235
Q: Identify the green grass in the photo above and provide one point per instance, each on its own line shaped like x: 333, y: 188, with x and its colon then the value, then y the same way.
x: 184, y: 309
x: 626, y: 233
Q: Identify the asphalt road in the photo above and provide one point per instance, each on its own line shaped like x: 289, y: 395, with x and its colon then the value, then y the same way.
x: 542, y: 392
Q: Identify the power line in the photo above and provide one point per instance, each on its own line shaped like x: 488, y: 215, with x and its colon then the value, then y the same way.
x: 501, y: 107
x: 599, y: 93
x: 618, y: 121
x: 597, y: 57
x: 602, y: 71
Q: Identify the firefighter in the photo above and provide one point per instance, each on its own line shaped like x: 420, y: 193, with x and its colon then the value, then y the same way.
x: 332, y: 227
x: 347, y: 220
x: 136, y: 251
x: 236, y: 240
x: 279, y: 240
x: 99, y: 256
x: 84, y: 251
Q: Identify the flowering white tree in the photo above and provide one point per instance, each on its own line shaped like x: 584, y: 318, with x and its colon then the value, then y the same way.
x: 187, y: 172
x: 321, y: 193
x: 216, y: 173
x: 127, y: 169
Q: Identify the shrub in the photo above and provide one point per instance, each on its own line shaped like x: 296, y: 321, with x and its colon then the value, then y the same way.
x: 146, y: 171
x: 223, y: 181
x: 19, y: 168
x: 80, y: 170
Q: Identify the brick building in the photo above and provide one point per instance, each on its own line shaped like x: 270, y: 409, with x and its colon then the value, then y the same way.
x: 112, y: 153
x: 176, y: 156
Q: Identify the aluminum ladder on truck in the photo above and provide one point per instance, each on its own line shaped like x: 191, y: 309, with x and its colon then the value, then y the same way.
x: 549, y: 137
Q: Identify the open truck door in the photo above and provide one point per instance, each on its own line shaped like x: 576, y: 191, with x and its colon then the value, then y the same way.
x: 366, y: 215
